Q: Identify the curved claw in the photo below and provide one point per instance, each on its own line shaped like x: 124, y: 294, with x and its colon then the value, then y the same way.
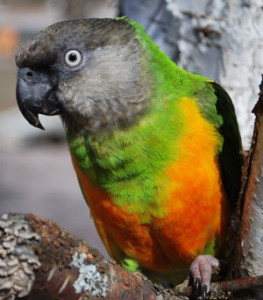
x: 196, y: 286
x: 201, y: 271
x: 204, y: 292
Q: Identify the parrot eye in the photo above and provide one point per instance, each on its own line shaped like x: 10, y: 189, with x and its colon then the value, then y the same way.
x: 73, y: 58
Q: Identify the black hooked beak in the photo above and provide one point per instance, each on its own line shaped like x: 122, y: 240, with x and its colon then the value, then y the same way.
x: 35, y: 95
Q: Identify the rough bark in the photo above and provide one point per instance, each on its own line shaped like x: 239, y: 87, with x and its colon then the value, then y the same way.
x: 39, y: 260
x: 248, y: 260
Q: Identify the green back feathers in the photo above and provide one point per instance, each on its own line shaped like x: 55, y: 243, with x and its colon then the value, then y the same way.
x: 175, y: 81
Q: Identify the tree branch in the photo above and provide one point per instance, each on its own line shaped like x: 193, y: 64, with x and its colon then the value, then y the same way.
x: 42, y: 261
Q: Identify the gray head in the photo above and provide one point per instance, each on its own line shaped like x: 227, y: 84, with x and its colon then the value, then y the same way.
x: 90, y: 71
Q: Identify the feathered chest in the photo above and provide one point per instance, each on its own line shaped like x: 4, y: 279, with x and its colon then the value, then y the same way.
x: 144, y: 189
x: 134, y: 165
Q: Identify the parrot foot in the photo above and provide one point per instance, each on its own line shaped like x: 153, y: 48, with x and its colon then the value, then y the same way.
x: 201, y: 271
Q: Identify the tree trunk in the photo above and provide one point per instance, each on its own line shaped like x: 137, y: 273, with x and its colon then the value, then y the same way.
x: 248, y: 256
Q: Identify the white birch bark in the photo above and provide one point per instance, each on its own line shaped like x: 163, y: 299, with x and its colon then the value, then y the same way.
x: 224, y: 41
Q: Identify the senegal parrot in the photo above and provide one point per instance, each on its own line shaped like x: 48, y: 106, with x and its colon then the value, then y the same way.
x: 156, y: 149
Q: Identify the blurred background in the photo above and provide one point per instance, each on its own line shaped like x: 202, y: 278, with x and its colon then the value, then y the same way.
x: 35, y: 169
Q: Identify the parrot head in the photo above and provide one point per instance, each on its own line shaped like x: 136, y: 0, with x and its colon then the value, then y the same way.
x: 90, y: 71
